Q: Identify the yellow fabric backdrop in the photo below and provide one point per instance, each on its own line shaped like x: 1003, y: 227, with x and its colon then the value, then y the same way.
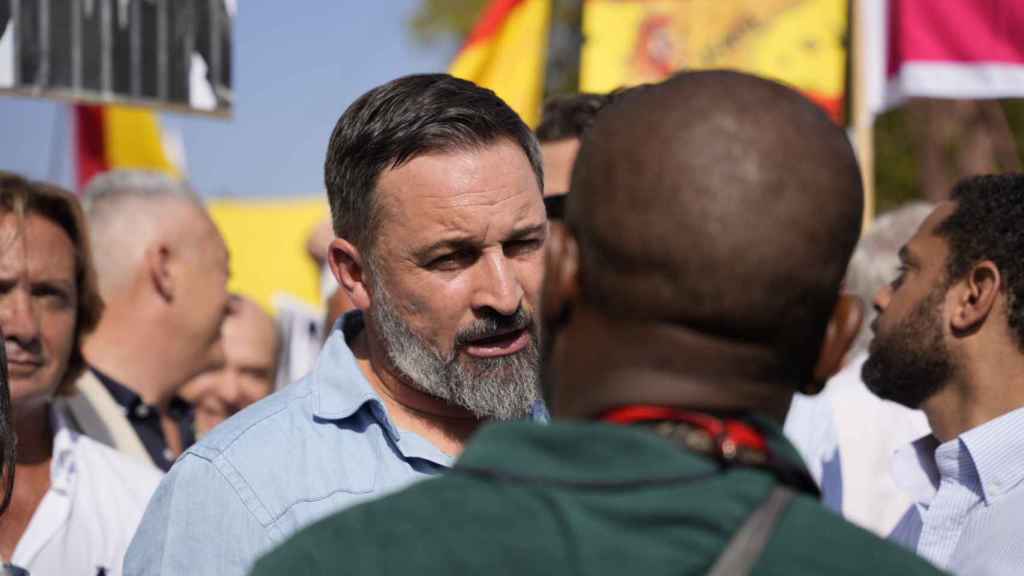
x: 267, y: 241
x: 507, y: 52
x: 800, y: 42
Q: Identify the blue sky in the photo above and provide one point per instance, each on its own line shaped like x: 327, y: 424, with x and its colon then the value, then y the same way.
x: 295, y: 74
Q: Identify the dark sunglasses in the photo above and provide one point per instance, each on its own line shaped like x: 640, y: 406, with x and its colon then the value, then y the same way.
x: 555, y: 205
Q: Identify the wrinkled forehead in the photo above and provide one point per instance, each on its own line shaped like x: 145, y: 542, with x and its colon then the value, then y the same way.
x: 473, y: 191
x: 34, y: 233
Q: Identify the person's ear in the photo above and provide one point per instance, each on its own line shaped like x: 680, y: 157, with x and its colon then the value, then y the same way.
x: 842, y: 330
x: 974, y: 297
x: 349, y: 270
x: 561, y: 273
x: 157, y: 260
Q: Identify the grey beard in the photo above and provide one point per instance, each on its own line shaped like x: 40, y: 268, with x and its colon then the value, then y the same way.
x: 501, y: 388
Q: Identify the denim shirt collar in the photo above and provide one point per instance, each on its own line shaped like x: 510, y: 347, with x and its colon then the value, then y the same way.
x: 342, y: 391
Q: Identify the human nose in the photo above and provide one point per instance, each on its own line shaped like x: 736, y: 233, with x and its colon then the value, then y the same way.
x: 19, y: 319
x: 498, y: 286
x: 232, y: 391
x: 882, y: 298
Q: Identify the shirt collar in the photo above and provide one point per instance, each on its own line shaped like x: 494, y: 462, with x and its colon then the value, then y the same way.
x: 132, y: 403
x: 914, y: 469
x: 63, y: 468
x: 995, y: 450
x: 341, y: 389
x: 985, y: 458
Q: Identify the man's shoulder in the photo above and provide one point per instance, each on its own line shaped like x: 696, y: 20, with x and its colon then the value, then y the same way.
x: 491, y: 521
x: 259, y: 423
x: 287, y: 464
x: 371, y: 529
x: 814, y: 538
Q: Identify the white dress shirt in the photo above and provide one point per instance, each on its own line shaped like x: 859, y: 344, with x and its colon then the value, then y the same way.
x: 87, y: 518
x: 848, y: 436
x: 968, y: 503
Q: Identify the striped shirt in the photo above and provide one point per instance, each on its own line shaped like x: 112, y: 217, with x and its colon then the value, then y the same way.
x: 968, y: 503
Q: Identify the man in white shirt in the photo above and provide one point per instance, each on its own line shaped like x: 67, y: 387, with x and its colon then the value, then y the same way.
x: 950, y: 339
x: 76, y: 503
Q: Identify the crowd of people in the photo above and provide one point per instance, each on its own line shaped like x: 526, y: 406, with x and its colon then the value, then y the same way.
x: 647, y: 337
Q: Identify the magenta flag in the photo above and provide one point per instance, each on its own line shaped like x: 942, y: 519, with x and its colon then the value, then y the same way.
x: 970, y: 49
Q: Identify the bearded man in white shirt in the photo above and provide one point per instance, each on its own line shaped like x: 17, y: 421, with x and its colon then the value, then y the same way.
x: 75, y: 503
x: 950, y: 339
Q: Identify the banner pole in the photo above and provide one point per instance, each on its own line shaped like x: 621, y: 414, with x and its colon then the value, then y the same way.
x: 863, y: 119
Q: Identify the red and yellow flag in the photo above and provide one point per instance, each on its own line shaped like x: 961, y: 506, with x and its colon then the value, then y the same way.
x: 110, y: 137
x: 507, y: 52
x: 799, y: 42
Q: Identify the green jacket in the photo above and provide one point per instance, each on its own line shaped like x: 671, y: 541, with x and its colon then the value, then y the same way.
x: 581, y: 498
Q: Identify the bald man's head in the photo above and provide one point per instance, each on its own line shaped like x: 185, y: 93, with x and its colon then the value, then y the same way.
x: 129, y: 210
x: 162, y: 266
x: 721, y: 202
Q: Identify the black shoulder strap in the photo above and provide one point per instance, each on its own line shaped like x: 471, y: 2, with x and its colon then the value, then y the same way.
x: 748, y: 543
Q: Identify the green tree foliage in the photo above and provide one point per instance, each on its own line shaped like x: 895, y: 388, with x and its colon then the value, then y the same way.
x: 444, y: 19
x: 896, y: 179
x: 898, y: 149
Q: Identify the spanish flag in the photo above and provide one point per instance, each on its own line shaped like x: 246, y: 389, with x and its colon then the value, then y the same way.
x: 801, y: 43
x: 111, y: 137
x: 507, y: 52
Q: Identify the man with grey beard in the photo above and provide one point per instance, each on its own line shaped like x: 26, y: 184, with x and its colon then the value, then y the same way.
x: 435, y: 188
x: 498, y: 388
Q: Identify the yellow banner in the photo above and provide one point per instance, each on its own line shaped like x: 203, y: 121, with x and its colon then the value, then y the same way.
x: 267, y: 242
x: 134, y: 140
x: 799, y: 42
x: 507, y: 52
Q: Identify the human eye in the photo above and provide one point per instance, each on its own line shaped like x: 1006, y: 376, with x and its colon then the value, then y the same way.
x: 55, y: 296
x: 901, y: 272
x: 451, y: 261
x: 523, y: 246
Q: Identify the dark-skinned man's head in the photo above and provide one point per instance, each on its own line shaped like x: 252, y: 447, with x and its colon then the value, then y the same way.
x: 721, y: 205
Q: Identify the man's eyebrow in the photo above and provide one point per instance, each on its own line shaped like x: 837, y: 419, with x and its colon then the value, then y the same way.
x: 527, y: 231
x: 455, y: 244
x: 906, y: 257
x: 470, y: 243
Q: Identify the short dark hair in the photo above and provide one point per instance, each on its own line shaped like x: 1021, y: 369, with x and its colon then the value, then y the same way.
x: 23, y: 198
x: 987, y: 225
x: 398, y: 121
x: 692, y: 206
x: 570, y: 115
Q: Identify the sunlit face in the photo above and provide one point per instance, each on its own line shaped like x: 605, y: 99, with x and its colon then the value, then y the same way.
x: 909, y: 360
x: 38, y: 305
x: 250, y: 350
x: 559, y: 157
x: 457, y: 267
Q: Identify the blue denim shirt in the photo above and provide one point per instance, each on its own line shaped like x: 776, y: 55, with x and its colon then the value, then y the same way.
x: 317, y: 446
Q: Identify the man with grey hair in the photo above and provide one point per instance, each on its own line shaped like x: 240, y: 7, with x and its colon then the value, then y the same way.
x: 435, y: 188
x: 849, y: 423
x: 162, y: 270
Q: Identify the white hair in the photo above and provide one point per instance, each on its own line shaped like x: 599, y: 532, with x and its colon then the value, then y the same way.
x: 108, y: 189
x: 876, y: 259
x: 125, y: 210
